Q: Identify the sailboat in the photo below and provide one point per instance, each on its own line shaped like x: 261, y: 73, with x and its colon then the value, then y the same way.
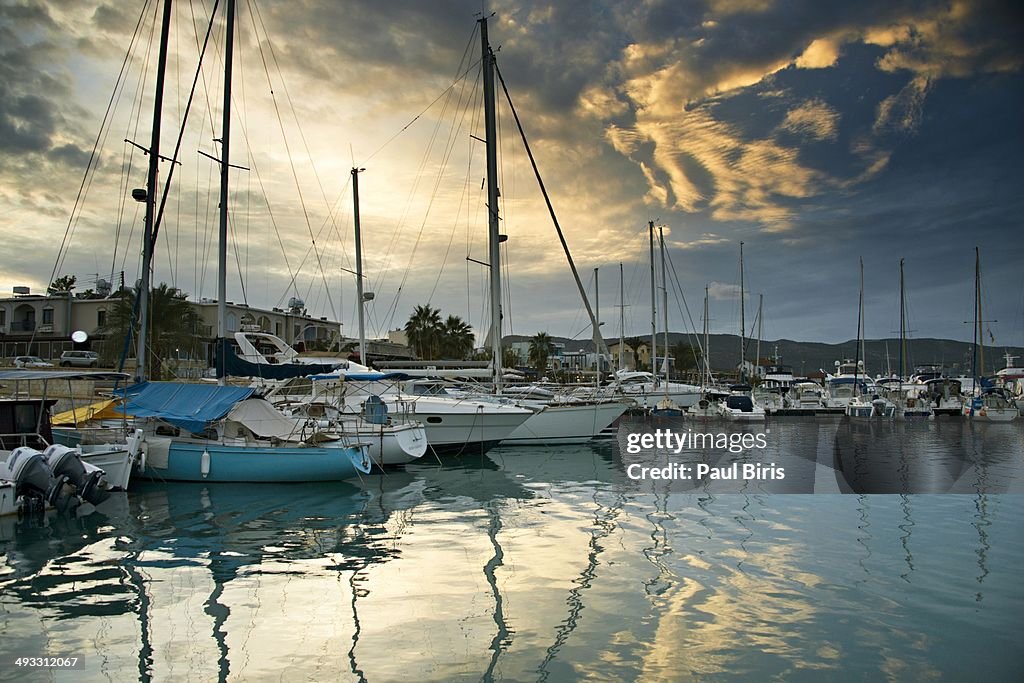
x: 910, y: 402
x: 666, y: 407
x: 987, y: 402
x: 567, y: 419
x: 739, y: 404
x: 861, y: 405
x: 646, y: 388
x: 222, y: 433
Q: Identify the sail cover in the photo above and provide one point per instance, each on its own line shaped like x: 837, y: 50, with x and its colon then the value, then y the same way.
x: 263, y: 419
x: 230, y: 365
x: 188, y: 406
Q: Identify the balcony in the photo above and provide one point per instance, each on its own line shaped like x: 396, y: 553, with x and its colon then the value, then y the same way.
x: 22, y: 326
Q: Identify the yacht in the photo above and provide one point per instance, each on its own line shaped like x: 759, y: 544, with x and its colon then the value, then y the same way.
x: 739, y: 405
x: 849, y: 380
x: 647, y: 390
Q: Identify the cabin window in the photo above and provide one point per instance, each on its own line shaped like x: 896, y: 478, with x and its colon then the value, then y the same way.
x: 25, y: 419
x: 434, y: 420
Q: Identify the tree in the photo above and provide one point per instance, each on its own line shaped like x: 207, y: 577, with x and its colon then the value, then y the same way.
x: 541, y: 346
x: 62, y: 285
x: 173, y: 325
x: 424, y: 331
x: 509, y: 357
x: 456, y: 338
x: 686, y: 357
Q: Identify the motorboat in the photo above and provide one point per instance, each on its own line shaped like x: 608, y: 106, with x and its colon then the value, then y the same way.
x: 30, y: 422
x: 739, y: 405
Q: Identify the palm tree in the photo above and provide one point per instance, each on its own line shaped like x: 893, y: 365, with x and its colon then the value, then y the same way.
x: 509, y: 357
x: 541, y: 346
x: 173, y: 323
x: 424, y: 331
x: 456, y: 338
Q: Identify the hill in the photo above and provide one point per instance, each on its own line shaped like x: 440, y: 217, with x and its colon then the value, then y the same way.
x: 807, y: 357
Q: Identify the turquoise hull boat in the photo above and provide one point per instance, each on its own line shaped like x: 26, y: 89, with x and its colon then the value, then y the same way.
x: 211, y: 462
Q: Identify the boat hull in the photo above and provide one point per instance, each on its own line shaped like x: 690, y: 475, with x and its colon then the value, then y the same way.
x: 569, y: 424
x: 390, y: 444
x: 455, y: 427
x: 8, y: 498
x: 683, y: 399
x: 211, y: 462
x: 117, y: 464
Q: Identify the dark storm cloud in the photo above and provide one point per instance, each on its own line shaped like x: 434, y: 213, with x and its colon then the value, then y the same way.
x: 33, y: 96
x: 816, y: 132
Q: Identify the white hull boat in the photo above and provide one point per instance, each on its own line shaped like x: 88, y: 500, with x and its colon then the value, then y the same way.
x: 569, y: 423
x: 395, y: 444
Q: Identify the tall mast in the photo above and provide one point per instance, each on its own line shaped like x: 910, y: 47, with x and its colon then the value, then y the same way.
x: 977, y: 297
x: 760, y: 330
x: 974, y: 330
x: 622, y: 317
x: 664, y: 300
x: 597, y: 314
x: 707, y: 340
x: 903, y: 329
x: 860, y: 329
x: 151, y: 191
x: 654, y: 312
x: 359, y: 266
x: 493, y: 237
x: 743, y: 321
x: 222, y: 249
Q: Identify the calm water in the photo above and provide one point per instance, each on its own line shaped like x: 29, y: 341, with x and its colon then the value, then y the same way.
x: 533, y: 565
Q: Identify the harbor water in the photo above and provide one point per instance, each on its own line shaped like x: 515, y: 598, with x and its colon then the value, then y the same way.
x: 543, y: 564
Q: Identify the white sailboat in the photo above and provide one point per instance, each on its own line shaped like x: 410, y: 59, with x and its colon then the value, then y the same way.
x: 566, y: 421
x: 862, y: 404
x: 987, y: 402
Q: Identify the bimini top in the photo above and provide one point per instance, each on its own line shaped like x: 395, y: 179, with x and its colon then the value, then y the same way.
x: 188, y: 406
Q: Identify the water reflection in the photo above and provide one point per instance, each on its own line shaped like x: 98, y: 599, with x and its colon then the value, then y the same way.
x: 530, y: 564
x: 930, y: 456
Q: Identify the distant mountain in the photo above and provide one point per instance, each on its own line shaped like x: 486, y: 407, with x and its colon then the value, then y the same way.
x: 807, y: 357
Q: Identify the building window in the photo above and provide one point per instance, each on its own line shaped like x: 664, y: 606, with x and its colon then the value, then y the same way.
x: 278, y: 328
x: 101, y: 318
x: 232, y: 323
x: 47, y: 316
x: 3, y: 317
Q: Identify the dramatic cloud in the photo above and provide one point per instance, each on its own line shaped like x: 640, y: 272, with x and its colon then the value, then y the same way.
x: 815, y: 133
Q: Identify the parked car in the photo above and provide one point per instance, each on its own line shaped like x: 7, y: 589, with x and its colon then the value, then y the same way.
x: 31, y: 362
x: 79, y: 359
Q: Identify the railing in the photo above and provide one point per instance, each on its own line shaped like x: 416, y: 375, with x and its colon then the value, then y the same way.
x: 23, y: 325
x: 9, y: 442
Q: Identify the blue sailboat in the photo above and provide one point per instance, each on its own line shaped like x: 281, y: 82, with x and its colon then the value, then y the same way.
x: 196, y: 432
x: 204, y: 432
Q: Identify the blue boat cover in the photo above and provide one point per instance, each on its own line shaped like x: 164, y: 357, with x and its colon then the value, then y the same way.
x: 361, y: 376
x: 188, y: 406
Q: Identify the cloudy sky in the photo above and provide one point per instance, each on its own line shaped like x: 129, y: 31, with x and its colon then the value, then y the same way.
x: 816, y: 133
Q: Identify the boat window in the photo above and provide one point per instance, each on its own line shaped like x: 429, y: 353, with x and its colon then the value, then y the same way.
x: 24, y: 419
x: 433, y: 419
x: 741, y: 403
